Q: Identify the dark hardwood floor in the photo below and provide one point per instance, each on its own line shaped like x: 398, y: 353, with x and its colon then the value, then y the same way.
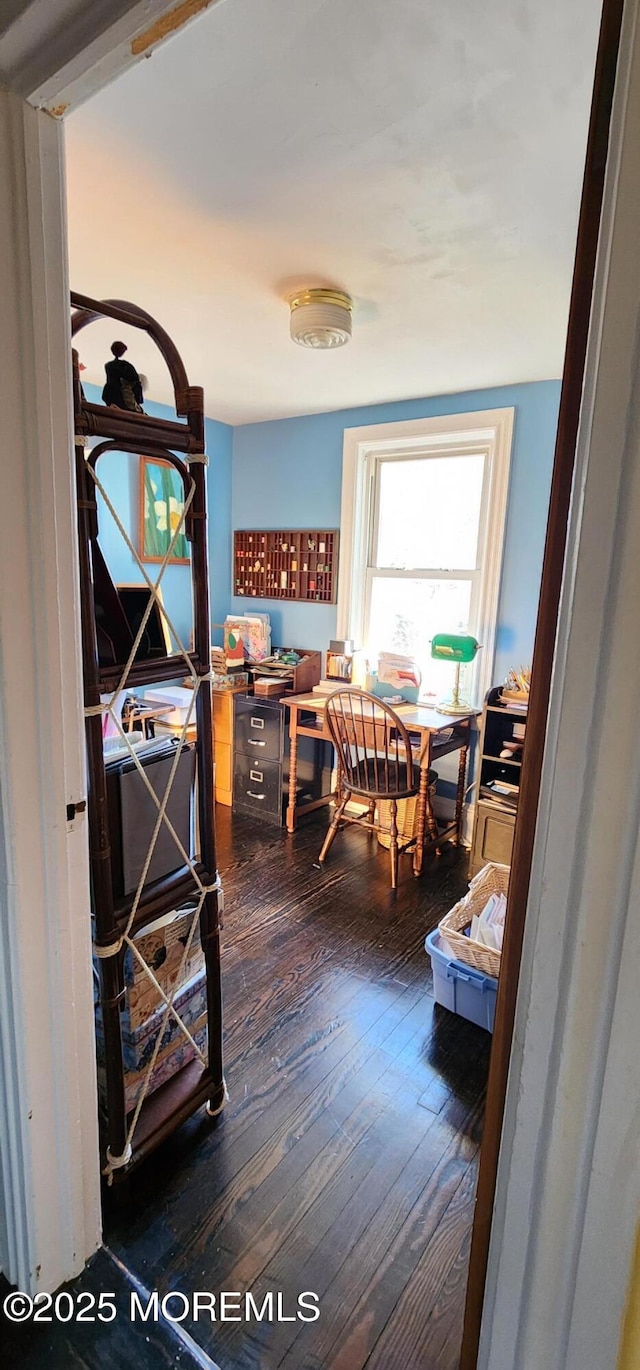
x: 345, y: 1161
x: 113, y: 1345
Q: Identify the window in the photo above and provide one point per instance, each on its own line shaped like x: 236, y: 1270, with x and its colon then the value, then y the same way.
x: 423, y: 514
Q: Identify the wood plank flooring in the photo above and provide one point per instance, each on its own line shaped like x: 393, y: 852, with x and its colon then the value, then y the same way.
x: 345, y: 1161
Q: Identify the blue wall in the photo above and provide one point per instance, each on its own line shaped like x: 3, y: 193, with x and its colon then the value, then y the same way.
x: 119, y: 473
x: 288, y: 473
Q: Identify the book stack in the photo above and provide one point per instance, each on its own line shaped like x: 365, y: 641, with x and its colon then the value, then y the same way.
x: 502, y: 790
x: 218, y: 661
x: 326, y: 687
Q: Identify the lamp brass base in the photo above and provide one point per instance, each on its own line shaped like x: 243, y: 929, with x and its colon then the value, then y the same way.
x: 454, y: 707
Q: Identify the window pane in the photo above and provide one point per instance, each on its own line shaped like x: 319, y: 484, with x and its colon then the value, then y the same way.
x: 429, y: 513
x: 404, y: 616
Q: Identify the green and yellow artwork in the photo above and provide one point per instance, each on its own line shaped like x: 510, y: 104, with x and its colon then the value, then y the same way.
x: 161, y: 508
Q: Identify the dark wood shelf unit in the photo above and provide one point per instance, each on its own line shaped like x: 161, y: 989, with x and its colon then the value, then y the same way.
x: 495, y: 814
x: 151, y: 672
x: 502, y: 760
x: 159, y: 896
x: 294, y: 564
x: 194, y: 1084
x: 190, y: 1088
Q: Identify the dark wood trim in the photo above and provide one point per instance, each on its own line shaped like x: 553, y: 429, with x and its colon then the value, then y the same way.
x: 552, y: 572
x: 164, y: 668
x: 123, y: 311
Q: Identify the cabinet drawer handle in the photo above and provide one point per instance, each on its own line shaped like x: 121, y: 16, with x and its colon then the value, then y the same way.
x: 257, y: 722
x: 254, y: 795
x: 254, y: 743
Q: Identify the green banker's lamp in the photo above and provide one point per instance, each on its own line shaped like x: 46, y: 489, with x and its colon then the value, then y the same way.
x: 460, y: 648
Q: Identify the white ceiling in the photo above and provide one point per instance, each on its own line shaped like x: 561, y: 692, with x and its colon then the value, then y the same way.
x: 426, y: 157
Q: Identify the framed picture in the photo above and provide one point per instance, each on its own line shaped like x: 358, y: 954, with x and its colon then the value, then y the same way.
x: 161, y: 508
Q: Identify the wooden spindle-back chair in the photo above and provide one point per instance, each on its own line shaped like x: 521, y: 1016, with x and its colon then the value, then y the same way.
x: 375, y: 762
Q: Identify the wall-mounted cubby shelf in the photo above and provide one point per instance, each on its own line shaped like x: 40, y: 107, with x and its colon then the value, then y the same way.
x: 299, y: 563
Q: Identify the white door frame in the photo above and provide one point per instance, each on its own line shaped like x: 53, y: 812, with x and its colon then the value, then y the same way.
x: 569, y: 1176
x: 48, y: 1123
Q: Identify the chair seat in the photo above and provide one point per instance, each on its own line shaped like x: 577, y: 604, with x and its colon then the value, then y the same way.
x: 391, y: 782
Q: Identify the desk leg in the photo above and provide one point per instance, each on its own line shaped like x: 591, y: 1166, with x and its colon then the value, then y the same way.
x: 293, y: 773
x: 462, y: 774
x: 423, y: 799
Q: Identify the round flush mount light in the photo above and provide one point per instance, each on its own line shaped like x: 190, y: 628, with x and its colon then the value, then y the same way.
x: 321, y: 318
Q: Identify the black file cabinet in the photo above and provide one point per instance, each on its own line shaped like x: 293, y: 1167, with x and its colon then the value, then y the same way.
x: 261, y: 757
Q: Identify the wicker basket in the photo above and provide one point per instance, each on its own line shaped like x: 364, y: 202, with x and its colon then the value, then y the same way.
x: 406, y: 815
x: 492, y: 879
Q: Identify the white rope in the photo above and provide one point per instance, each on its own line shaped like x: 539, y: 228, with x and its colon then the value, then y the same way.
x: 117, y: 1162
x: 213, y: 1112
x: 108, y: 707
x: 103, y: 953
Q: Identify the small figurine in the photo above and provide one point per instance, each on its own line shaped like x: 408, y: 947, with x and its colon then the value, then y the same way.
x: 122, y: 389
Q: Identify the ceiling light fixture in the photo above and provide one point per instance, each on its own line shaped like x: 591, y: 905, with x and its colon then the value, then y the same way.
x: 321, y: 318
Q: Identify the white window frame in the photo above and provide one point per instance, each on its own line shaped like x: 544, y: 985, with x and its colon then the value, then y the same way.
x: 489, y: 432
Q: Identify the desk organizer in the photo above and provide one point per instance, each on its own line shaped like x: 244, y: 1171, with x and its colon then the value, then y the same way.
x: 286, y: 564
x: 299, y: 679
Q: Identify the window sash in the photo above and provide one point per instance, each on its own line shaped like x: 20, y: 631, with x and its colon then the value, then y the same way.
x: 487, y: 431
x: 471, y: 671
x: 379, y: 459
x: 374, y: 570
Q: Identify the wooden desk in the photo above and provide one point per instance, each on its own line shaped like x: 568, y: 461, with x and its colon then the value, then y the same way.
x: 306, y: 719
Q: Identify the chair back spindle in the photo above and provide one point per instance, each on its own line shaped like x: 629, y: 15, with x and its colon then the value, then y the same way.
x: 372, y: 743
x: 375, y: 762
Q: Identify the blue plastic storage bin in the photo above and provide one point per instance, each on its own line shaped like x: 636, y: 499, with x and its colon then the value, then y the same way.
x: 461, y: 988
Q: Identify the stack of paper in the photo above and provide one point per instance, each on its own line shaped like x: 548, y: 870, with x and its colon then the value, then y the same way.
x: 397, y: 671
x: 487, y: 927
